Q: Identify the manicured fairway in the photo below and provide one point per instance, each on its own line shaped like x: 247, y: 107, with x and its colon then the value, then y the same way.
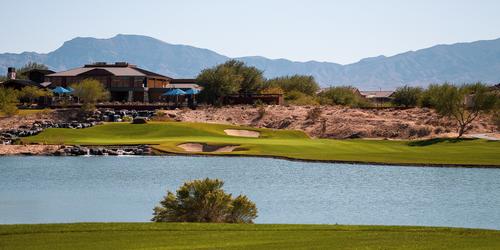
x: 231, y: 236
x: 280, y: 143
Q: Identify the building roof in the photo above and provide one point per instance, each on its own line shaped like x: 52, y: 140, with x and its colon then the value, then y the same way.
x: 117, y: 69
x: 19, y: 83
x: 42, y: 71
x: 376, y: 94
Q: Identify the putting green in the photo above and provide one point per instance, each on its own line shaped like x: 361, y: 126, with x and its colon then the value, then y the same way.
x: 166, y: 136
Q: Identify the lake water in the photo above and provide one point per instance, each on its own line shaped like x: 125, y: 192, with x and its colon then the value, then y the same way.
x: 92, y: 189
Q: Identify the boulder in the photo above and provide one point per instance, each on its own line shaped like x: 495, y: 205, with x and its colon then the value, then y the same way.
x: 139, y: 120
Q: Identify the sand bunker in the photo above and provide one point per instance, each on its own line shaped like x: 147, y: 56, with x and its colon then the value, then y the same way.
x: 242, y: 133
x: 201, y: 147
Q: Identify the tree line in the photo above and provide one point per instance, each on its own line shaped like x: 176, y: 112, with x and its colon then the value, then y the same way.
x: 462, y: 103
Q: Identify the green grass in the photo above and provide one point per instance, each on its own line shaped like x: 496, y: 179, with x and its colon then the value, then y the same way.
x: 232, y: 236
x: 165, y: 136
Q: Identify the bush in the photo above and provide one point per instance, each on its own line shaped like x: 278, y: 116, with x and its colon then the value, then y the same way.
x: 261, y: 111
x: 300, y: 83
x: 314, y: 113
x: 496, y: 119
x: 461, y: 103
x: 8, y: 101
x: 127, y: 118
x: 342, y: 95
x: 204, y: 201
x: 231, y: 77
x: 407, y: 96
x: 90, y: 91
x: 273, y: 90
x: 299, y: 98
x: 139, y: 120
x: 10, y: 110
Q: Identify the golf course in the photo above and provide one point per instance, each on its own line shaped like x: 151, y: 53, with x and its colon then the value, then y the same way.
x: 171, y: 137
x: 240, y: 236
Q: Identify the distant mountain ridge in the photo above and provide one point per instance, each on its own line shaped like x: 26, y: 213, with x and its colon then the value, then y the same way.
x: 457, y: 63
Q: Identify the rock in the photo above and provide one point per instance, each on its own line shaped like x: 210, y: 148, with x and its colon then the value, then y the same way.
x: 139, y: 120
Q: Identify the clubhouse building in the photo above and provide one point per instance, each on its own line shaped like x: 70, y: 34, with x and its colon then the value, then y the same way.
x: 124, y: 81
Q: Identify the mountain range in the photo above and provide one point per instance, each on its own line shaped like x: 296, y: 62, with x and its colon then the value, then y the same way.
x: 456, y: 63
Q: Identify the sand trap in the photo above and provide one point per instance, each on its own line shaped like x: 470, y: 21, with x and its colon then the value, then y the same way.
x: 199, y: 147
x: 242, y: 133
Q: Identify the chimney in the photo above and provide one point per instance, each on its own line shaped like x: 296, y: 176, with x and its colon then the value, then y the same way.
x: 11, y: 73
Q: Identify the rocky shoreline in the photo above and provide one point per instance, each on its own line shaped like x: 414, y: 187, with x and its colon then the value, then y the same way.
x: 62, y: 150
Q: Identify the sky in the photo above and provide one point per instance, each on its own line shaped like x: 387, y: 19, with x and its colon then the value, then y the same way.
x: 300, y: 30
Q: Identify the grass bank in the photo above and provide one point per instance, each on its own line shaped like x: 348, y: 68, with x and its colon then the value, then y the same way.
x: 166, y: 136
x: 233, y: 236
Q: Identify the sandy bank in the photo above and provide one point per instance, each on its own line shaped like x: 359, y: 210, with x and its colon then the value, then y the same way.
x: 28, y: 149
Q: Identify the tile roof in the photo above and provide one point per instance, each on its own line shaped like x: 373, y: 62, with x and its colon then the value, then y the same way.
x: 117, y: 71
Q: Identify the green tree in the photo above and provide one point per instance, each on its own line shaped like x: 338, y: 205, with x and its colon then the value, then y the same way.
x: 252, y: 79
x: 22, y: 72
x: 218, y: 83
x: 304, y: 84
x: 298, y: 98
x: 426, y: 99
x: 229, y: 78
x: 89, y: 92
x: 342, y: 95
x: 204, y: 201
x: 407, y: 96
x: 8, y: 101
x: 462, y: 103
x: 31, y: 93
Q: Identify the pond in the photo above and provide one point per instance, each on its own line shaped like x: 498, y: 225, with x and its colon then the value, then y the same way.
x: 125, y: 189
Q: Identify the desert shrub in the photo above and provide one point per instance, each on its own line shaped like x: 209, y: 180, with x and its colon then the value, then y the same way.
x: 272, y: 90
x: 231, y: 77
x: 462, y: 103
x: 90, y: 91
x: 261, y: 111
x: 8, y: 101
x: 438, y: 130
x: 496, y: 119
x: 314, y: 113
x: 10, y: 110
x: 407, y: 96
x: 204, y: 201
x: 299, y: 98
x: 299, y: 83
x: 342, y: 95
x: 258, y: 103
x: 127, y: 118
x: 139, y: 120
x: 423, y: 131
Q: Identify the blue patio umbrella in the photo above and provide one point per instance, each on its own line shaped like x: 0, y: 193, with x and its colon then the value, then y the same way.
x: 61, y: 90
x: 174, y: 92
x: 192, y: 92
x: 70, y: 89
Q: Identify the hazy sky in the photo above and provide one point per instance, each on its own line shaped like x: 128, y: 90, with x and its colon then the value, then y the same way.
x: 322, y: 30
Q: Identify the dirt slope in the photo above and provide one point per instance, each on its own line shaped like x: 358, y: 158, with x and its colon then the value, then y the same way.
x: 336, y: 121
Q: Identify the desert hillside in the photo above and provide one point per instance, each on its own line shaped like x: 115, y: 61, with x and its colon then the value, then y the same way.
x: 336, y: 121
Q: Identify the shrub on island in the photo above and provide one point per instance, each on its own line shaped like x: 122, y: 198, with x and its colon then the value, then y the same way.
x: 204, y: 201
